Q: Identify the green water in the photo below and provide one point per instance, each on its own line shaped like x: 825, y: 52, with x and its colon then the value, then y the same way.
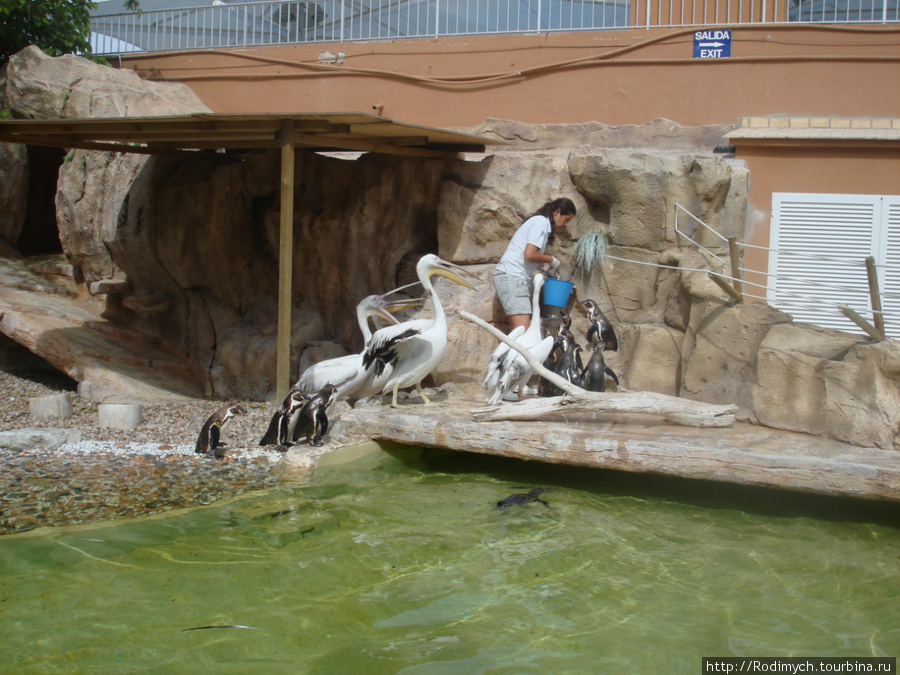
x: 398, y: 563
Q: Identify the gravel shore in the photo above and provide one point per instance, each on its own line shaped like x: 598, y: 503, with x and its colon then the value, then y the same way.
x: 115, y: 474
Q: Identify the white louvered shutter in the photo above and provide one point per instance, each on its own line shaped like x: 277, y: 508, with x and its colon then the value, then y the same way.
x: 820, y: 243
x: 890, y: 280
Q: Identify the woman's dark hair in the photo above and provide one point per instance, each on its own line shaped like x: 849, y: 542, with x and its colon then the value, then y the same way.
x: 564, y: 205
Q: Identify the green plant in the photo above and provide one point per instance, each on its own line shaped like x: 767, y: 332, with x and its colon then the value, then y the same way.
x: 589, y: 251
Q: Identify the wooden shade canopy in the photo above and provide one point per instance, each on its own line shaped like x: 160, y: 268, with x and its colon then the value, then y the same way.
x: 200, y: 133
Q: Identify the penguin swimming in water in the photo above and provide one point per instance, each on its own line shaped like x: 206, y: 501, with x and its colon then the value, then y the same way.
x: 312, y: 420
x: 284, y: 421
x: 600, y: 326
x: 210, y: 440
x: 522, y: 499
x: 593, y: 376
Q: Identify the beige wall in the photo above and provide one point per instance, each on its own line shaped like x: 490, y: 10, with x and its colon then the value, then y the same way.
x: 614, y: 77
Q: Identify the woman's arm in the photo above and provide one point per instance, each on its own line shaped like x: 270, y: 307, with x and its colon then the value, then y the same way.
x: 533, y: 255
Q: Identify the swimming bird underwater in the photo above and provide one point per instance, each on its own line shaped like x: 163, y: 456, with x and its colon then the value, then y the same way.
x: 209, y: 442
x: 533, y: 495
x: 414, y: 348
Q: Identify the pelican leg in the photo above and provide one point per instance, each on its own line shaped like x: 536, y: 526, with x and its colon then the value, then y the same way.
x: 394, y: 398
x: 422, y: 394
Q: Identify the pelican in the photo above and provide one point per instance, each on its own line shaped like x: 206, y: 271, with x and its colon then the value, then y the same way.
x: 347, y: 372
x: 512, y: 370
x: 414, y: 348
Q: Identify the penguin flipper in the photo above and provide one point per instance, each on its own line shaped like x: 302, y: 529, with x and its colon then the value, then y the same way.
x: 271, y: 435
x: 594, y: 329
x: 214, y: 432
x: 609, y: 371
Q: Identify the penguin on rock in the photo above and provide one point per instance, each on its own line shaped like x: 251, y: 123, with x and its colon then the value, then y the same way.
x: 593, y: 378
x: 600, y: 327
x: 210, y: 440
x: 284, y: 421
x: 312, y: 420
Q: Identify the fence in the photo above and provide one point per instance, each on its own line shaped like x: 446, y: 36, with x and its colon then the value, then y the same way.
x: 309, y: 21
x: 884, y: 308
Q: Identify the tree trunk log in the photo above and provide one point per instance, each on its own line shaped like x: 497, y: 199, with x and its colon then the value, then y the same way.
x: 673, y: 409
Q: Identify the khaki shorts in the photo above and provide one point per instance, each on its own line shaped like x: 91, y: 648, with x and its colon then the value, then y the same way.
x: 514, y: 293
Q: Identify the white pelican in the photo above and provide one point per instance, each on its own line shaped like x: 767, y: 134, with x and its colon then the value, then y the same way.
x: 415, y: 347
x: 347, y: 372
x: 511, y: 370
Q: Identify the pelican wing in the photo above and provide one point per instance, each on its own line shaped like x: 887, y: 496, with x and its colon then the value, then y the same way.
x: 342, y: 372
x: 492, y: 376
x: 389, y: 343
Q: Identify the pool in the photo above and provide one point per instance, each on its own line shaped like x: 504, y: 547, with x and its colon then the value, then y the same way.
x: 397, y: 561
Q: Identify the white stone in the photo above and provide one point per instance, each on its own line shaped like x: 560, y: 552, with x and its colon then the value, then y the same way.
x: 120, y: 415
x: 50, y: 408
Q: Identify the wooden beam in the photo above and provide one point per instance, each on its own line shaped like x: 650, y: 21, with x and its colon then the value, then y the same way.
x: 875, y: 297
x: 285, y: 262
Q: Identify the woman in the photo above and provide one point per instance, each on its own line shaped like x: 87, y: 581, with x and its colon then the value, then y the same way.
x: 512, y: 277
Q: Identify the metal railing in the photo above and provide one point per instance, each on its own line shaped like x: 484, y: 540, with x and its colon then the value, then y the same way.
x: 810, y: 304
x: 246, y: 24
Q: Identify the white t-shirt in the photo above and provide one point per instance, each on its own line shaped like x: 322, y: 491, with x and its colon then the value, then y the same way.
x: 535, y: 231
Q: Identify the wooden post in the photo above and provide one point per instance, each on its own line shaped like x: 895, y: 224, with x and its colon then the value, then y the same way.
x: 285, y: 262
x: 727, y: 287
x: 868, y: 328
x: 875, y: 297
x: 735, y: 256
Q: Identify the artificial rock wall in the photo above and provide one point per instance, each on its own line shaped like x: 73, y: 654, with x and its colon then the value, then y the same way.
x: 195, y: 242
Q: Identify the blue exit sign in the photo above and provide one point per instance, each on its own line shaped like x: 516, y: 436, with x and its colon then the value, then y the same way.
x: 712, y: 44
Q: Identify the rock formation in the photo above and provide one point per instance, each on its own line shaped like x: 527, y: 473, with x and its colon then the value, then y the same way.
x: 185, y: 251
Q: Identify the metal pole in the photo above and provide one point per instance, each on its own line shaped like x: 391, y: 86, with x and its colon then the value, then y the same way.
x: 285, y: 262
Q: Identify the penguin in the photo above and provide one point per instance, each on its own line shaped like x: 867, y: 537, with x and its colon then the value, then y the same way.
x: 522, y: 499
x: 284, y: 421
x: 312, y: 420
x: 560, y: 346
x: 600, y: 326
x: 209, y: 442
x: 594, y: 374
x: 570, y: 365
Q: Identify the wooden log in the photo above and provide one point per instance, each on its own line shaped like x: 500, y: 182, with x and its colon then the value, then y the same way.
x: 875, y: 297
x: 867, y: 328
x: 676, y: 410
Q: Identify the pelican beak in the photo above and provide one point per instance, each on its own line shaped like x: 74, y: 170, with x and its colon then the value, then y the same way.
x: 405, y: 303
x: 450, y: 271
x: 388, y: 308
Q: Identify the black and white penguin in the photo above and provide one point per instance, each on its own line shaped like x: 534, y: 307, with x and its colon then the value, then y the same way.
x: 312, y: 420
x: 600, y: 326
x: 560, y: 346
x: 284, y: 421
x: 593, y: 377
x: 210, y: 440
x: 570, y: 365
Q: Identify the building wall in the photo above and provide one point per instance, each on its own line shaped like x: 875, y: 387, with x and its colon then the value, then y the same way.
x: 615, y: 77
x: 810, y: 166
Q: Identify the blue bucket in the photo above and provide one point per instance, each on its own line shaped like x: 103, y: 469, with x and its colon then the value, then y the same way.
x: 556, y: 292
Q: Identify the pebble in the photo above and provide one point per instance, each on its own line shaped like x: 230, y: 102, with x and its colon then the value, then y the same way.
x: 117, y: 474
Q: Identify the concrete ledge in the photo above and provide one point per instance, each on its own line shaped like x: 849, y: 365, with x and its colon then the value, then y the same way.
x: 31, y: 439
x: 742, y: 454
